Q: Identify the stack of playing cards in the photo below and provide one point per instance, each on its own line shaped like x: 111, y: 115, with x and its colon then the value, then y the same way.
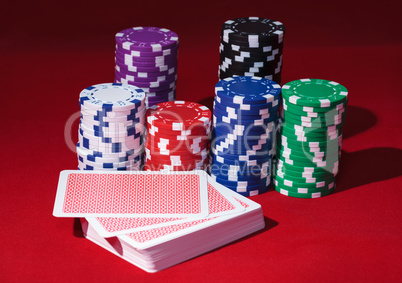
x: 155, y: 219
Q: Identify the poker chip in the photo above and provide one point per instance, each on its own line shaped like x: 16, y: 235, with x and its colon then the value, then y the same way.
x: 314, y: 93
x: 112, y: 97
x: 309, y: 140
x: 244, y: 117
x: 177, y: 136
x: 251, y: 46
x: 146, y: 57
x: 111, y: 129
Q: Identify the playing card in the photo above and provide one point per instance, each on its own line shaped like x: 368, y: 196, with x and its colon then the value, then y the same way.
x: 132, y: 194
x: 220, y: 203
x: 151, y: 237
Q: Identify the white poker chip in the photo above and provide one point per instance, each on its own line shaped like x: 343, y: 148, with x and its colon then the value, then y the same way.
x: 112, y: 96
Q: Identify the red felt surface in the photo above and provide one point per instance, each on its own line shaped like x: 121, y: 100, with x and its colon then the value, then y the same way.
x: 50, y: 50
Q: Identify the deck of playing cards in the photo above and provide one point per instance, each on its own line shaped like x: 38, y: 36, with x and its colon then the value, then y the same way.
x: 155, y: 219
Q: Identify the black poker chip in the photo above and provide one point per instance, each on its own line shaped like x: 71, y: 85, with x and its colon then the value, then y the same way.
x: 253, y: 29
x: 251, y: 47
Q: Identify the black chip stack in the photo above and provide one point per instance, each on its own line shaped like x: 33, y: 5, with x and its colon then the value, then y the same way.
x: 251, y: 46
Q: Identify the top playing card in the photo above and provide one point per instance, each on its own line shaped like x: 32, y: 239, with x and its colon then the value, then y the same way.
x: 131, y: 194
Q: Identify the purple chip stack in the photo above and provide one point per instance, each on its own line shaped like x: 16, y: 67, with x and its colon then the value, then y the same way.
x: 146, y: 57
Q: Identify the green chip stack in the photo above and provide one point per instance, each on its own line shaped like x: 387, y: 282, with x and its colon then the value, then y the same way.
x: 310, y: 137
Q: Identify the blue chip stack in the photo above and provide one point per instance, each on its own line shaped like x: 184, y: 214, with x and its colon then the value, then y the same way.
x: 244, y: 117
x: 111, y: 127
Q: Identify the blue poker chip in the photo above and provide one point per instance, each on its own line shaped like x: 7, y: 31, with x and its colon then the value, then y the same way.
x: 239, y: 164
x: 245, y: 139
x: 248, y: 178
x: 247, y: 107
x: 241, y: 146
x: 252, y: 129
x: 241, y: 170
x: 240, y: 115
x: 243, y: 150
x: 105, y: 133
x: 242, y: 184
x: 258, y: 110
x: 218, y: 150
x: 247, y: 90
x: 218, y: 118
x: 237, y: 157
x: 217, y: 158
x: 238, y: 188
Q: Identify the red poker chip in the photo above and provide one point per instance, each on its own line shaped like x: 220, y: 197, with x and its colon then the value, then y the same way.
x: 185, y: 154
x: 151, y: 166
x: 170, y: 159
x: 193, y: 131
x: 155, y: 139
x: 182, y: 146
x: 178, y: 115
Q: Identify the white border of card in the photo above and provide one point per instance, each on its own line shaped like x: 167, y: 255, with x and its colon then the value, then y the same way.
x: 62, y: 186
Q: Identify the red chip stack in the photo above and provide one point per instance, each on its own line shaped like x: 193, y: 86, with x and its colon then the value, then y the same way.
x: 178, y: 136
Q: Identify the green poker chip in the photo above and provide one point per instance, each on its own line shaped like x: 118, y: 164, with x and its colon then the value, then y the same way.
x: 325, y: 164
x: 304, y: 175
x: 303, y: 156
x: 321, y: 119
x: 307, y: 169
x: 299, y: 128
x: 330, y: 135
x: 308, y: 134
x: 303, y: 146
x: 304, y: 182
x: 302, y: 193
x: 305, y: 110
x: 302, y: 138
x: 325, y: 145
x: 317, y: 124
x: 314, y: 93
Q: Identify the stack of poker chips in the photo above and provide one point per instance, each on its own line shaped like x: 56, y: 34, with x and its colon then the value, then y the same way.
x: 146, y: 57
x: 251, y: 47
x: 177, y: 136
x: 310, y: 137
x: 244, y: 116
x: 111, y: 127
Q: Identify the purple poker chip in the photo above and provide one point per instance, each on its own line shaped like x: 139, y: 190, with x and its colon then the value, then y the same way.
x: 161, y: 97
x: 140, y: 79
x: 150, y: 100
x: 148, y: 39
x: 164, y: 52
x: 156, y: 84
x: 138, y: 69
x: 129, y: 58
x: 124, y: 70
x: 171, y: 61
x: 166, y: 93
x: 147, y: 89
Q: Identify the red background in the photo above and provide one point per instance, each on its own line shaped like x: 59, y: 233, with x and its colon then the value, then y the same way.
x: 51, y: 50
